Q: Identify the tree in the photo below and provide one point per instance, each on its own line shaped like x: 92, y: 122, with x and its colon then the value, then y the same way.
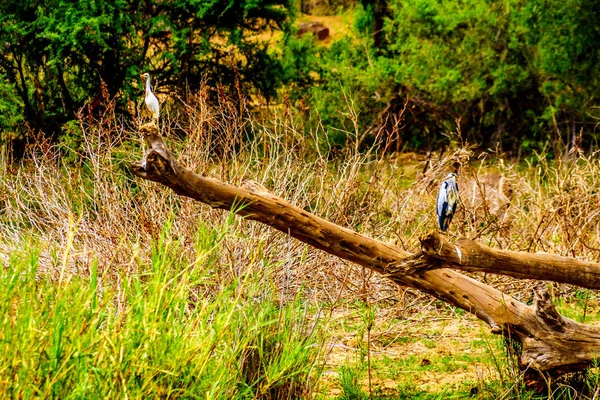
x: 551, y: 344
x: 56, y: 53
x: 501, y: 69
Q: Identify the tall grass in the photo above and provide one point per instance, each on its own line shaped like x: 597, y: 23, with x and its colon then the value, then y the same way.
x: 171, y: 330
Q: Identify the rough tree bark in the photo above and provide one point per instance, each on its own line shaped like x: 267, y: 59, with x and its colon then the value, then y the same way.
x: 551, y: 343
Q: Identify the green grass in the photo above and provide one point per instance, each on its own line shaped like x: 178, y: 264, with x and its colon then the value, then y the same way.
x: 171, y: 330
x: 583, y: 306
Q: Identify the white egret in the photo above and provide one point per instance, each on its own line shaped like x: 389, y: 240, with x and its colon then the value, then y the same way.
x: 149, y: 97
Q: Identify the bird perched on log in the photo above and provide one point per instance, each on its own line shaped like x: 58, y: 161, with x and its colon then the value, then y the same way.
x: 149, y: 97
x: 447, y: 199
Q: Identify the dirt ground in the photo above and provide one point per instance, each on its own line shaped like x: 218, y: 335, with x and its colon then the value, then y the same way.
x: 428, y: 355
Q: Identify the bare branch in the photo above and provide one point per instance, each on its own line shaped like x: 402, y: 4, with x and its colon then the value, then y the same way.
x: 467, y: 255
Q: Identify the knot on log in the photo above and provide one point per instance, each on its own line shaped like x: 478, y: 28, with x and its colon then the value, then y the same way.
x: 544, y: 308
x: 255, y: 187
x: 158, y: 162
x: 154, y: 166
x: 149, y: 129
x: 432, y: 243
x: 436, y: 246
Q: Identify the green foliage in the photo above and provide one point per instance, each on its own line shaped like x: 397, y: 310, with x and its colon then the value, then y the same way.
x: 11, y: 116
x: 461, y: 59
x: 70, y: 142
x: 57, y: 53
x: 508, y: 72
x: 170, y: 330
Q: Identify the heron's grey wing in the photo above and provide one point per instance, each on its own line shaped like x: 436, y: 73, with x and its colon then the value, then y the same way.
x: 454, y: 188
x: 441, y: 200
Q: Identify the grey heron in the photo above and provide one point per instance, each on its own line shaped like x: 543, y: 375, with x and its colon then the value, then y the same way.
x: 447, y: 199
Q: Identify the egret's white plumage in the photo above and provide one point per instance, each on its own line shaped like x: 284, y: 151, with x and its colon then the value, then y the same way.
x: 149, y: 97
x: 447, y: 200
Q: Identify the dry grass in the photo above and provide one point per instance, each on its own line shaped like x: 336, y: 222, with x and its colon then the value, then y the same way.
x: 81, y: 203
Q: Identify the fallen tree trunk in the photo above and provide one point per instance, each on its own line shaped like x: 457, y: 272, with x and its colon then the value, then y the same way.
x: 550, y: 342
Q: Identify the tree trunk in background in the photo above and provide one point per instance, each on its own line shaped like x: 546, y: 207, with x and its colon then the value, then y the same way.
x: 551, y: 343
x: 379, y: 11
x: 378, y: 17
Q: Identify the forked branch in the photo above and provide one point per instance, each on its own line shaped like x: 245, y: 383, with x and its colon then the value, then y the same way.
x: 550, y: 342
x: 468, y: 255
